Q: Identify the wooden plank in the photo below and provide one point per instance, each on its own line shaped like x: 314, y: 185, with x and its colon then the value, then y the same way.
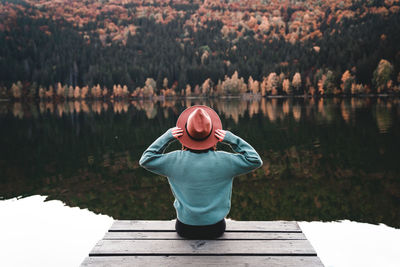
x: 124, y: 261
x: 250, y: 226
x: 227, y: 235
x: 202, y: 247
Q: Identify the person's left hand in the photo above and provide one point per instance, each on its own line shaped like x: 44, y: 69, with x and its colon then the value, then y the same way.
x: 176, y: 132
x: 220, y: 134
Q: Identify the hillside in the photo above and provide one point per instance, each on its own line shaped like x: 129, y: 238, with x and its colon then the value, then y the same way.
x: 194, y: 46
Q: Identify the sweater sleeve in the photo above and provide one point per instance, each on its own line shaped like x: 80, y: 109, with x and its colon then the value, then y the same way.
x: 153, y: 158
x: 246, y: 158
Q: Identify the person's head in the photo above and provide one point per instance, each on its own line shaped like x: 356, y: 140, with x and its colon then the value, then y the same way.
x: 199, y: 124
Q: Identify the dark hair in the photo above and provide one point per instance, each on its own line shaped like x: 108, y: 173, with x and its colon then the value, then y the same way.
x: 213, y: 148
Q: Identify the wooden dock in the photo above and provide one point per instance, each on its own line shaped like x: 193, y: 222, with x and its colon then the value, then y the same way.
x: 245, y: 243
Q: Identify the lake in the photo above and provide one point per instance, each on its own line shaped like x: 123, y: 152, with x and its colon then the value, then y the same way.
x: 324, y: 159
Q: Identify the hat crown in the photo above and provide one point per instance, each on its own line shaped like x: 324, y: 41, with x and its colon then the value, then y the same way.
x: 199, y: 124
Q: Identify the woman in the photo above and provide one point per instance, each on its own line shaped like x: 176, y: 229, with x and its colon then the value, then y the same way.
x: 200, y: 177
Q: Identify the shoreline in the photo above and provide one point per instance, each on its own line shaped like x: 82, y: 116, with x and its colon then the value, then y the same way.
x: 227, y: 97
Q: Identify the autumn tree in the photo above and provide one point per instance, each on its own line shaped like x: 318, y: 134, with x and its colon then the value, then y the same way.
x: 204, y: 57
x: 382, y: 75
x: 347, y: 81
x: 60, y: 90
x: 16, y: 90
x: 263, y: 86
x: 281, y: 78
x: 249, y: 82
x: 321, y: 82
x: 84, y: 92
x: 296, y: 81
x: 104, y: 93
x: 150, y: 82
x: 165, y: 83
x: 329, y: 83
x: 70, y: 92
x: 50, y: 92
x: 234, y: 85
x: 205, y: 87
x: 196, y: 90
x: 254, y: 86
x: 96, y: 91
x: 42, y: 92
x: 149, y: 87
x: 117, y: 91
x: 125, y: 91
x: 272, y: 84
x: 357, y: 88
x: 188, y: 90
x: 77, y: 92
x: 286, y: 86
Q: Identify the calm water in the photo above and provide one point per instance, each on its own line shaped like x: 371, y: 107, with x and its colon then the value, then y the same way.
x: 326, y: 160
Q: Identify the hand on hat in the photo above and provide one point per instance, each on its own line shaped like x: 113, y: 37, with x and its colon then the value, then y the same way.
x: 220, y: 134
x: 176, y: 132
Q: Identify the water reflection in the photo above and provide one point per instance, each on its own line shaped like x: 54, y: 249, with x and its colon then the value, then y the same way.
x: 325, y: 109
x: 324, y: 159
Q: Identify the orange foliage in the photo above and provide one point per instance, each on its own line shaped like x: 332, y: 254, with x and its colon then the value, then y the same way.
x: 256, y: 15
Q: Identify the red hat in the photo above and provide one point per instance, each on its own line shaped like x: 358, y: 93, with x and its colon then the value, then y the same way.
x: 198, y: 124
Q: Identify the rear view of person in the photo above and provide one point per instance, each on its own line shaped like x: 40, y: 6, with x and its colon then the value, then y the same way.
x: 200, y: 177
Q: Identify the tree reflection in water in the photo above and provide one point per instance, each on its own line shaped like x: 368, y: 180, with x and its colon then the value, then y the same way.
x: 324, y: 159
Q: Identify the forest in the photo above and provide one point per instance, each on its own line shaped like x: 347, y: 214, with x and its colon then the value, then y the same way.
x: 131, y: 48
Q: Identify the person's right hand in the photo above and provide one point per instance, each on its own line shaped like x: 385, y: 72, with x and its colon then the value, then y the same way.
x: 177, y: 132
x: 220, y: 134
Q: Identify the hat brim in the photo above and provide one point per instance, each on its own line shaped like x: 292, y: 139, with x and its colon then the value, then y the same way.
x: 207, y: 143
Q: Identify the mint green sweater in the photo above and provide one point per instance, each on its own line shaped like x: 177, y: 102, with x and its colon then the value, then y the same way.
x: 201, y: 182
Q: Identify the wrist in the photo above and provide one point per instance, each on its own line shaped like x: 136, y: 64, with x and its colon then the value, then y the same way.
x: 228, y: 137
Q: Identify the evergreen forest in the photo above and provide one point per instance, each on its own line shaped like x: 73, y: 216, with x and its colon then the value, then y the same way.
x: 43, y: 54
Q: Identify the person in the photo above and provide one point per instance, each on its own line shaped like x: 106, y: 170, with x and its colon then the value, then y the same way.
x: 200, y: 177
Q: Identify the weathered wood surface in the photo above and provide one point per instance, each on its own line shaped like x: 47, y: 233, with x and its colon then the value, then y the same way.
x: 240, y: 226
x: 287, y: 261
x: 204, y: 247
x: 155, y: 243
x: 227, y: 235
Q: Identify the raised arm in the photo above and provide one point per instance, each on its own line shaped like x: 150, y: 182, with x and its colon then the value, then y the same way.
x: 153, y: 158
x: 246, y: 158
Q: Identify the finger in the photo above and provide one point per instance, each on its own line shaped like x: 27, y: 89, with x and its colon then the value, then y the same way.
x: 220, y: 138
x: 220, y: 132
x: 177, y: 134
x: 177, y: 131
